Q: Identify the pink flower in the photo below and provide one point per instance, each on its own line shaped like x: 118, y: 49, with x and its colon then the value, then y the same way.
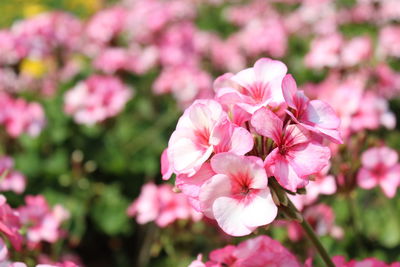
x: 320, y: 184
x: 106, y: 24
x: 43, y: 223
x: 237, y: 197
x: 340, y: 261
x: 185, y: 83
x: 295, y: 156
x: 202, y: 130
x: 322, y: 220
x: 96, y: 99
x: 256, y: 252
x: 162, y: 205
x: 380, y: 167
x: 19, y: 116
x: 389, y: 41
x: 264, y: 251
x: 315, y: 115
x: 356, y: 50
x: 256, y: 87
x: 324, y: 52
x: 10, y: 223
x: 13, y: 180
x: 191, y: 186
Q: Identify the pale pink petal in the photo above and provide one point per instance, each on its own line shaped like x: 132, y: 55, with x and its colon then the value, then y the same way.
x: 228, y: 213
x: 245, y: 77
x: 289, y: 89
x: 366, y: 179
x: 322, y: 114
x: 190, y: 186
x: 390, y: 182
x: 267, y: 124
x: 371, y: 157
x: 260, y: 210
x: 310, y: 158
x: 218, y: 186
x: 3, y: 251
x: 166, y: 168
x: 278, y: 166
x: 241, y: 141
x: 267, y: 70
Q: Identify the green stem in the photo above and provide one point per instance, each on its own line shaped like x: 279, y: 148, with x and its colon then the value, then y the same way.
x: 313, y: 238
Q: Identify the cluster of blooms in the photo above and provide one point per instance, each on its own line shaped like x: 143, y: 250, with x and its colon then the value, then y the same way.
x: 37, y: 220
x: 257, y: 126
x: 264, y: 251
x: 18, y: 116
x: 256, y: 252
x: 161, y: 205
x: 11, y: 180
x: 137, y: 36
x: 96, y: 99
x: 340, y: 261
x: 380, y: 166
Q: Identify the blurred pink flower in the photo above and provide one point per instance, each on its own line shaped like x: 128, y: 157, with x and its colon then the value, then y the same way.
x: 389, y: 41
x: 256, y: 252
x: 13, y: 180
x: 162, y: 205
x: 380, y: 167
x: 10, y: 223
x: 324, y: 51
x: 96, y: 99
x: 43, y: 222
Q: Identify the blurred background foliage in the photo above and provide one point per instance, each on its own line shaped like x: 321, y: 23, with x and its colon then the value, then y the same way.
x: 96, y: 172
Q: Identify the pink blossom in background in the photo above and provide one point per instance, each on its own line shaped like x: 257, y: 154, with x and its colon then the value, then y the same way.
x: 12, y: 180
x: 380, y: 167
x: 389, y: 41
x: 96, y: 99
x: 356, y: 50
x: 19, y: 116
x: 320, y: 184
x: 106, y: 24
x: 185, y: 83
x: 237, y: 197
x: 256, y: 252
x: 296, y: 154
x: 324, y: 51
x: 322, y: 220
x: 43, y: 222
x: 340, y: 261
x: 161, y: 205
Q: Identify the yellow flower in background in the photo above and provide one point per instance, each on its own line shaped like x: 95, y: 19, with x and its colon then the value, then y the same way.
x: 33, y: 9
x: 33, y: 67
x: 90, y: 6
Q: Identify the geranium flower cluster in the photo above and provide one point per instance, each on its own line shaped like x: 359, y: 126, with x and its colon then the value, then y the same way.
x: 29, y: 225
x: 255, y: 252
x: 19, y: 117
x: 96, y: 99
x: 12, y: 180
x: 161, y: 205
x: 224, y: 151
